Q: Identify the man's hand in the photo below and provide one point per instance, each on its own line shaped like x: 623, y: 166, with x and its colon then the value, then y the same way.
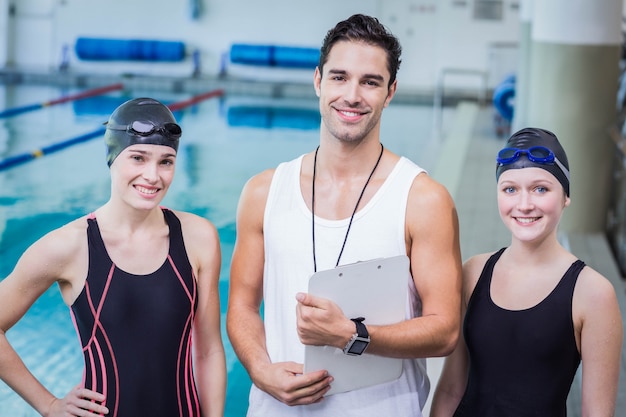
x: 321, y: 322
x: 286, y: 382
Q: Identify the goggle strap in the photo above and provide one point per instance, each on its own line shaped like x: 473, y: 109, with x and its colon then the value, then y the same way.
x: 562, y: 167
x: 171, y: 129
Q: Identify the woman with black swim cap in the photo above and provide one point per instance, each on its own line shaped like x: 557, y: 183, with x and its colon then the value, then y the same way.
x: 142, y: 284
x: 533, y: 311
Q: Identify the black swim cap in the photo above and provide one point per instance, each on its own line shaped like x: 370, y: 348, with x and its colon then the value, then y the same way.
x: 140, y: 121
x: 531, y: 137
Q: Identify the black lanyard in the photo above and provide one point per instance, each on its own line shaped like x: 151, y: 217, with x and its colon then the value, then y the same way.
x: 353, y: 213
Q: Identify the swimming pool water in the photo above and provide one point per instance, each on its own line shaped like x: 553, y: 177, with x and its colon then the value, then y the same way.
x: 225, y: 141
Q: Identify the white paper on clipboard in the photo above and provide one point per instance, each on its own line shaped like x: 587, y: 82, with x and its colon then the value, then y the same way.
x: 375, y: 289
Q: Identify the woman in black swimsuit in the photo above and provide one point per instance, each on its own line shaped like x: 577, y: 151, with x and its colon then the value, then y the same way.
x: 533, y: 311
x: 142, y: 284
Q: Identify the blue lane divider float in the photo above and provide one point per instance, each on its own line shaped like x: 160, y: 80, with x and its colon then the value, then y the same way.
x: 273, y: 117
x: 274, y: 56
x: 99, y: 49
x: 503, y: 97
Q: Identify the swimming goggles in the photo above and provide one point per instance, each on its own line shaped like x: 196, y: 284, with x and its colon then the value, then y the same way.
x: 139, y: 128
x: 537, y: 154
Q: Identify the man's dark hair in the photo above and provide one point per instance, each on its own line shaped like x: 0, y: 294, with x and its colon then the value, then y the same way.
x: 365, y: 29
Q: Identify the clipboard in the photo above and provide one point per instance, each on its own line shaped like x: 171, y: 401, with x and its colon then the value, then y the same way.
x: 375, y: 289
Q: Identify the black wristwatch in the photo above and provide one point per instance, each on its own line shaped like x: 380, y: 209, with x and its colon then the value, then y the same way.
x: 359, y: 341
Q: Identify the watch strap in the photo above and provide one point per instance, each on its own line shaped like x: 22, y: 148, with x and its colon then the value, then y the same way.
x: 361, y: 330
x: 359, y: 340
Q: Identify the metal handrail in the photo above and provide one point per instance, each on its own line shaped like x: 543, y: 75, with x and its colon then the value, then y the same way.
x: 439, y: 91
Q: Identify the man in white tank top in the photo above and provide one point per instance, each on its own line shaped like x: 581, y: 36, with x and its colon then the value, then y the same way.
x: 349, y: 200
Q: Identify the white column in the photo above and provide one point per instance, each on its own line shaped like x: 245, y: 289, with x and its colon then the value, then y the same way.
x: 573, y: 83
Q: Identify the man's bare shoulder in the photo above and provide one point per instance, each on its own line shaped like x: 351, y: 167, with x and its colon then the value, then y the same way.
x: 255, y: 191
x: 430, y: 208
x: 428, y: 191
x: 260, y: 182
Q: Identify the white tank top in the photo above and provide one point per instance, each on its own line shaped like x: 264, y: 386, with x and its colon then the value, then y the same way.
x: 378, y: 230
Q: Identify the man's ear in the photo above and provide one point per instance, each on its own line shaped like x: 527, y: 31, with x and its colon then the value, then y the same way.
x: 317, y: 80
x: 391, y: 92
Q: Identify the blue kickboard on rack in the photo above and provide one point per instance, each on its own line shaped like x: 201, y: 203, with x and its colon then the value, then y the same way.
x: 274, y: 56
x: 100, y: 49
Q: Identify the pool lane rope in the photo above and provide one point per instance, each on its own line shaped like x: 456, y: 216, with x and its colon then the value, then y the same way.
x: 64, y: 99
x: 55, y: 147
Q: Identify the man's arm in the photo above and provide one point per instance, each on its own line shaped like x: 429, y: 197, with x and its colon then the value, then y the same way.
x: 432, y: 238
x: 433, y: 246
x: 453, y: 379
x: 284, y: 381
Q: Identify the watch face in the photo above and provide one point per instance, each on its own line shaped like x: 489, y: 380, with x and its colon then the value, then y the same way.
x: 358, y: 347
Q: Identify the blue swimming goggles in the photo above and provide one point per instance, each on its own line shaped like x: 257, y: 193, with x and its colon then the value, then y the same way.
x: 139, y: 128
x: 537, y: 154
